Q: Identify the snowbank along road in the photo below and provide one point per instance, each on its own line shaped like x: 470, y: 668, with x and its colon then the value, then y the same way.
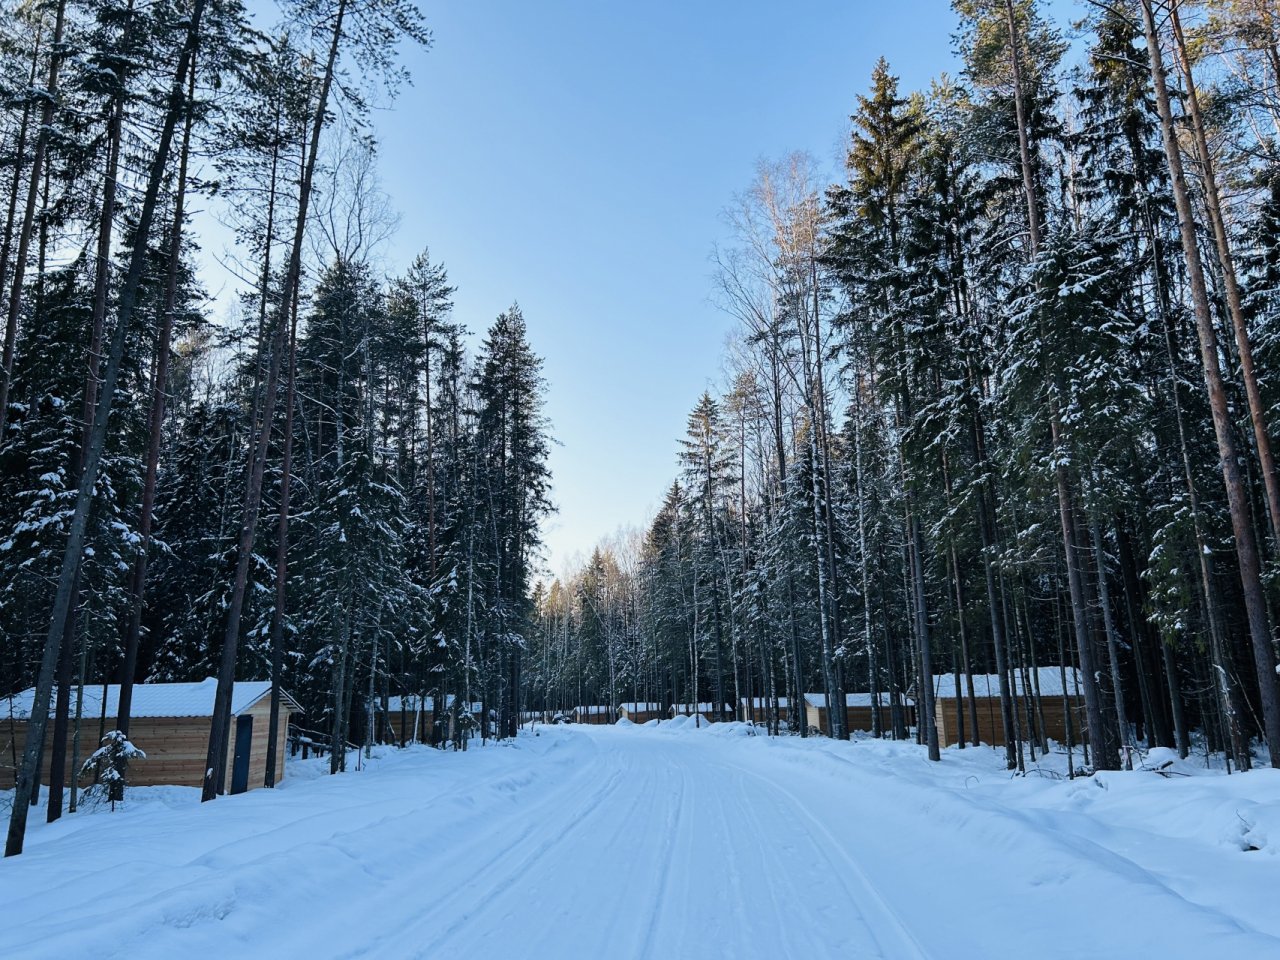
x: 664, y: 843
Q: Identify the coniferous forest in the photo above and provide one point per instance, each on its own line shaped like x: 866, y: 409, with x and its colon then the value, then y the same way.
x: 1000, y: 398
x: 339, y: 489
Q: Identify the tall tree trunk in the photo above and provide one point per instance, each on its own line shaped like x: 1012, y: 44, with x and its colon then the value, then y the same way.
x: 828, y: 510
x: 873, y: 685
x: 1113, y: 640
x: 928, y: 720
x: 835, y: 712
x: 282, y: 548
x: 159, y: 390
x: 985, y: 507
x: 89, y: 403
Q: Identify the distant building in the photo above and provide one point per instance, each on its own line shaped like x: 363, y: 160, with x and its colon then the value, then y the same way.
x: 408, y: 719
x: 639, y: 712
x: 594, y: 714
x: 858, y: 712
x: 756, y: 709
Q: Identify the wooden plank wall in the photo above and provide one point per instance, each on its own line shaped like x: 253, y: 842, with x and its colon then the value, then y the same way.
x: 397, y: 725
x: 858, y: 718
x: 991, y: 728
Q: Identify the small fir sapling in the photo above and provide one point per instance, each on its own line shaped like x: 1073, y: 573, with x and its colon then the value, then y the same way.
x: 109, y: 765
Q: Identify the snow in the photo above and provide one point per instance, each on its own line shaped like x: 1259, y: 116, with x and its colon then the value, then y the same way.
x: 666, y: 841
x: 988, y: 684
x: 682, y: 721
x: 151, y: 699
x: 819, y: 700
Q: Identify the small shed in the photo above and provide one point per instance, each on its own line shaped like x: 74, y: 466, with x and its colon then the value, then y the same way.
x: 756, y: 709
x: 858, y: 710
x: 594, y: 714
x: 170, y: 723
x: 639, y: 712
x: 1052, y: 710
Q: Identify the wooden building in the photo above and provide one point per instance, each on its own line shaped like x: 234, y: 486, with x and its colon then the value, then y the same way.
x: 640, y: 712
x: 594, y: 714
x: 756, y: 709
x: 858, y: 710
x: 169, y: 722
x: 408, y: 719
x: 1049, y: 705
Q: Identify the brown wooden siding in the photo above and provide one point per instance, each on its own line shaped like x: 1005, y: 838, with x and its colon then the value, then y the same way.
x: 858, y: 718
x: 991, y: 728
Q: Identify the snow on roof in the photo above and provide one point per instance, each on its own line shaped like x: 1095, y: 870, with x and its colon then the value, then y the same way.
x: 155, y: 699
x: 639, y: 707
x: 819, y: 700
x: 760, y: 703
x: 1049, y: 680
x: 593, y: 709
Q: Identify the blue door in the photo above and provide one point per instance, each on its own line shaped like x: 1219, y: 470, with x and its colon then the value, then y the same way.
x: 240, y: 765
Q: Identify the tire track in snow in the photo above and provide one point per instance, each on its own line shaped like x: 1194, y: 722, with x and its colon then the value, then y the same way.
x: 780, y: 877
x: 535, y: 836
x: 665, y: 869
x: 502, y: 875
x: 599, y: 847
x: 216, y: 886
x: 217, y: 867
x: 902, y: 943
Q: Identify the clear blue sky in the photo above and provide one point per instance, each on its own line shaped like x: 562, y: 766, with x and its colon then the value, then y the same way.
x: 575, y: 155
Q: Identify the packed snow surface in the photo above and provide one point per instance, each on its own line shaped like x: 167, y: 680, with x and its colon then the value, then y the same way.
x: 665, y: 841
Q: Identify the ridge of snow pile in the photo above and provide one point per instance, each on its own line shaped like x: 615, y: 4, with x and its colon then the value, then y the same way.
x: 685, y: 721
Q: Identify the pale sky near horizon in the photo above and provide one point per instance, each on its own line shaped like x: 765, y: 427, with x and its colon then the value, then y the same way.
x: 576, y: 157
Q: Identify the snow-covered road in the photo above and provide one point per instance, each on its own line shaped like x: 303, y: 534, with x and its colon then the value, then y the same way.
x: 634, y: 843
